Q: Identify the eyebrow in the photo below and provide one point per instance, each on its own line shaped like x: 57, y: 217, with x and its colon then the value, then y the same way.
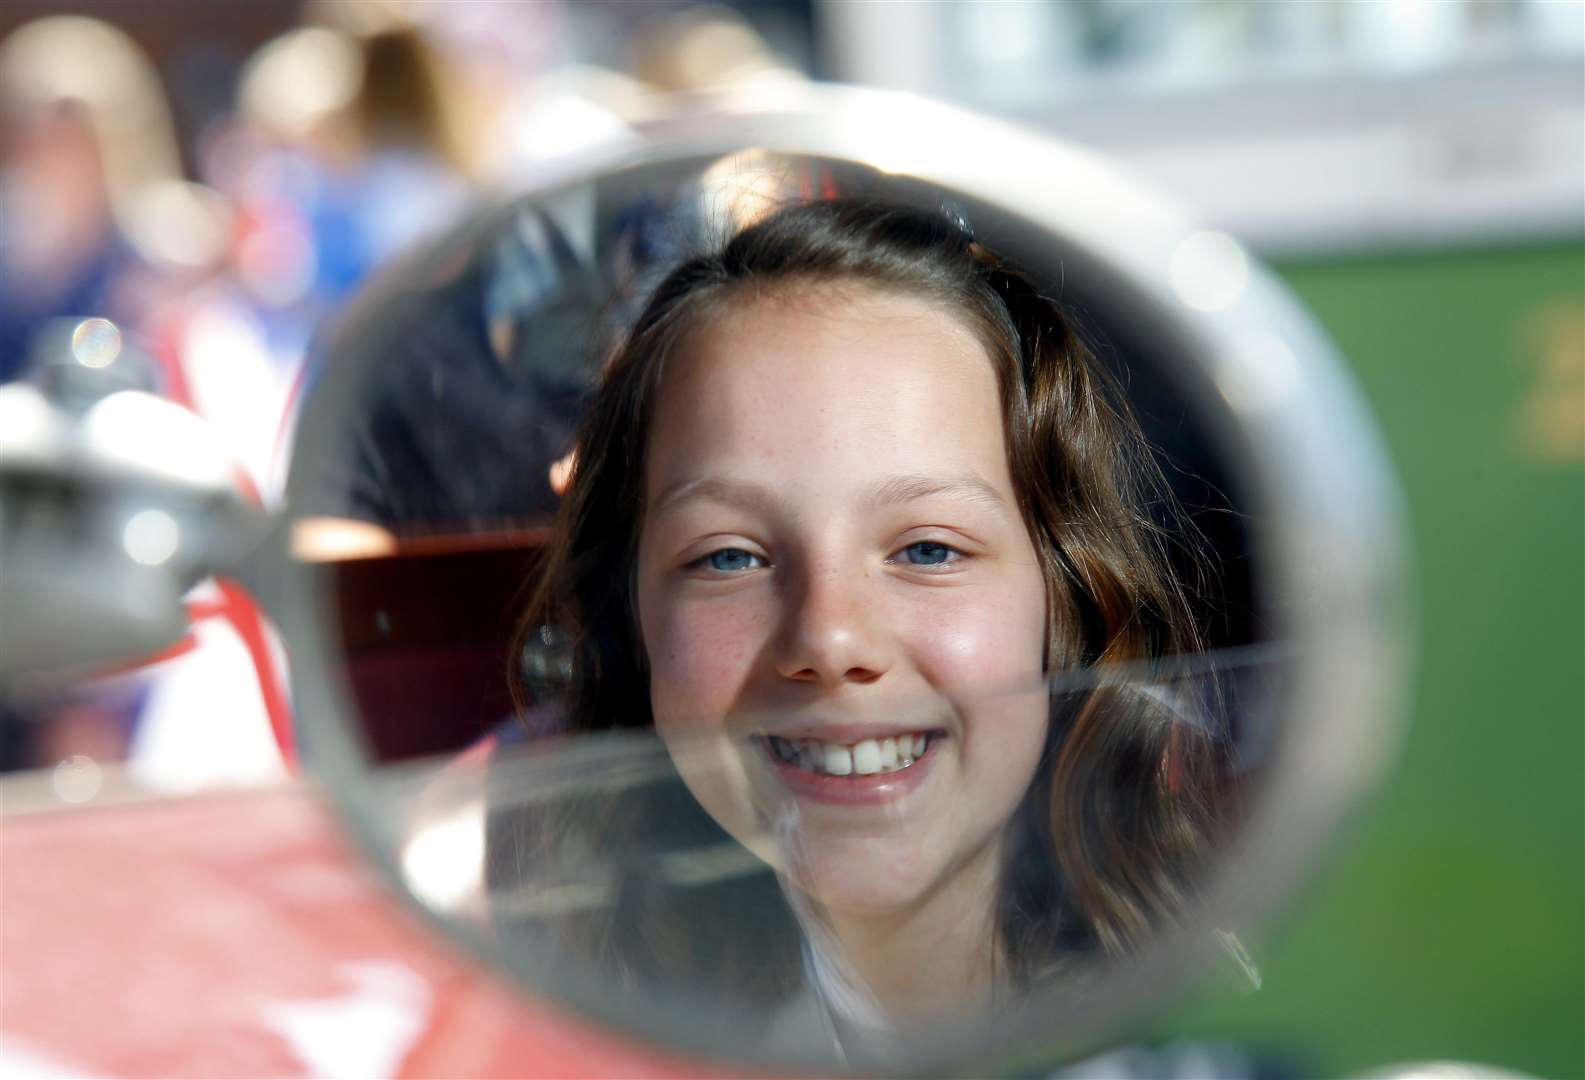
x: 892, y: 491
x: 902, y: 489
x: 744, y: 494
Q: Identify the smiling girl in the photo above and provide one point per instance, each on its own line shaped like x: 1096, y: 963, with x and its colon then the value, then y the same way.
x: 851, y: 494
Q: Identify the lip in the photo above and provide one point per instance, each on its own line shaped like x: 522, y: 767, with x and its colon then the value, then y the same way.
x: 872, y: 790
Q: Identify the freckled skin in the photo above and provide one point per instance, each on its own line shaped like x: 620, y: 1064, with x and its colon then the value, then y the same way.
x: 811, y: 401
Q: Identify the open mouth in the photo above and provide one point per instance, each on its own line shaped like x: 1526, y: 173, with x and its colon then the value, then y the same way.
x: 867, y: 757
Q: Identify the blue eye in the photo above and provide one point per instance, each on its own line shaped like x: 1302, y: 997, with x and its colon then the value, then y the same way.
x: 730, y: 560
x: 928, y: 553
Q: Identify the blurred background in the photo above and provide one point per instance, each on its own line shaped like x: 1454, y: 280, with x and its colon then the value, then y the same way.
x: 188, y: 191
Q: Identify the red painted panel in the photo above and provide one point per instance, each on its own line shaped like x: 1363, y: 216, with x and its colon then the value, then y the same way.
x: 237, y: 935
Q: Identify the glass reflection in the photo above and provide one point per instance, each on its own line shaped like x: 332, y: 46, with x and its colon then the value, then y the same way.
x: 606, y: 852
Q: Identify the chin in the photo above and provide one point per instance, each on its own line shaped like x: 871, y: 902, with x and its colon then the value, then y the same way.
x: 861, y: 878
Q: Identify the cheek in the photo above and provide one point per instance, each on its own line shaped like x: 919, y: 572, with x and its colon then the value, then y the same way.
x: 987, y: 657
x: 701, y: 654
x: 990, y: 639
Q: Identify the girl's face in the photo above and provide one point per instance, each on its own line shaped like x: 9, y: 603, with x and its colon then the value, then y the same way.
x: 834, y: 579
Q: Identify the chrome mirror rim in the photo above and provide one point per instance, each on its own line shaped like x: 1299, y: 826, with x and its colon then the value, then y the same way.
x: 1332, y: 543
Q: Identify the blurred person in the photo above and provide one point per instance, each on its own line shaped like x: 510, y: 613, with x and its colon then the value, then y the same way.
x: 524, y: 92
x: 96, y: 217
x: 398, y: 168
x: 459, y: 424
x: 341, y: 156
x: 61, y: 250
x: 707, y: 47
x: 365, y: 154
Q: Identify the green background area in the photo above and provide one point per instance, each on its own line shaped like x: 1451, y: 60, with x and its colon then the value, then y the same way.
x: 1451, y: 923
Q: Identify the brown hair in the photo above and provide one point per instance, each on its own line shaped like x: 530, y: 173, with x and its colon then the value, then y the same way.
x: 403, y: 99
x: 1105, y: 837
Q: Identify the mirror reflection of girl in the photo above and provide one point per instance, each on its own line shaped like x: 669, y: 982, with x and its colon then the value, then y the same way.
x: 851, y: 491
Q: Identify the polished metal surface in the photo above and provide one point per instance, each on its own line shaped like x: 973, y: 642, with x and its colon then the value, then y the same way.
x: 1272, y: 399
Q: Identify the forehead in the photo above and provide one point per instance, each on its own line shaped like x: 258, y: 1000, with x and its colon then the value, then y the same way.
x: 844, y: 377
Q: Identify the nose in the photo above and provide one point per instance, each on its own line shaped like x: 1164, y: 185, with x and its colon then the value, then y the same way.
x: 833, y: 631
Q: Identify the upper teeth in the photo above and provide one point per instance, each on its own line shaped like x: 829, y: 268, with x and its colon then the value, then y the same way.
x: 862, y: 758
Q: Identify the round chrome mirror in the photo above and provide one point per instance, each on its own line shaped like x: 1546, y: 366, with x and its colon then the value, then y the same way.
x: 977, y: 599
